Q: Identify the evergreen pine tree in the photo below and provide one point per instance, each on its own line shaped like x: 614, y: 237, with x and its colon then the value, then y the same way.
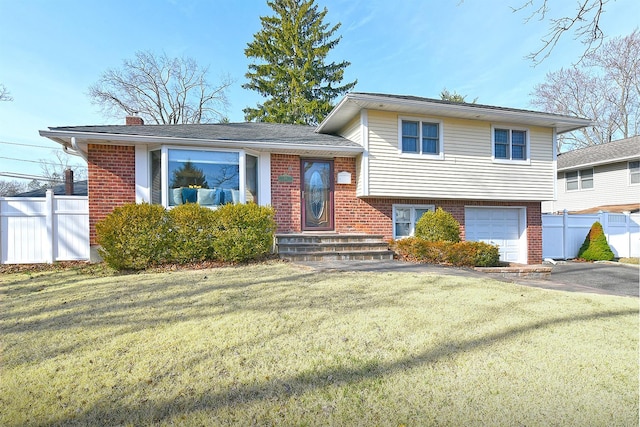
x: 292, y: 74
x: 187, y: 175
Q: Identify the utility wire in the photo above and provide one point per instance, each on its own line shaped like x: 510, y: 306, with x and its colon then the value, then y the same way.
x: 29, y: 145
x: 41, y: 162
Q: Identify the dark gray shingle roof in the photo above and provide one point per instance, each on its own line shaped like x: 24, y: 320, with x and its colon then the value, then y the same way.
x: 242, y: 132
x: 79, y: 189
x: 468, y: 104
x: 620, y: 150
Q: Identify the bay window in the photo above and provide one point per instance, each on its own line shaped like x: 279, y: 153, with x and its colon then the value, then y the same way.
x: 207, y: 177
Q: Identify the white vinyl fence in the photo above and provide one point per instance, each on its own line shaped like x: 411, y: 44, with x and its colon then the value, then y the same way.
x: 562, y: 235
x: 44, y: 229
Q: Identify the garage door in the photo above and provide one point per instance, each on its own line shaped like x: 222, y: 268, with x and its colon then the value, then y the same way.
x: 498, y: 226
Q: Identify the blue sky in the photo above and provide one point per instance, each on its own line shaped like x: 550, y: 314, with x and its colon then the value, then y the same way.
x: 52, y: 51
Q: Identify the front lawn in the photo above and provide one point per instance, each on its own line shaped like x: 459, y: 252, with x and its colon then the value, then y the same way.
x: 276, y: 344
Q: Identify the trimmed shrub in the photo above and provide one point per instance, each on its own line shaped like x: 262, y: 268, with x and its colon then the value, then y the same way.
x: 135, y: 236
x: 460, y: 254
x: 193, y: 234
x: 595, y: 246
x: 473, y: 254
x: 438, y: 226
x: 243, y: 232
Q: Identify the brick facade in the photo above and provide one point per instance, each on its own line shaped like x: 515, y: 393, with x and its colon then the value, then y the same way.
x: 111, y: 181
x: 374, y: 215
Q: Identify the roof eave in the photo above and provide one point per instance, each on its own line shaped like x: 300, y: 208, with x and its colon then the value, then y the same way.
x: 341, y: 114
x: 599, y: 162
x: 64, y: 137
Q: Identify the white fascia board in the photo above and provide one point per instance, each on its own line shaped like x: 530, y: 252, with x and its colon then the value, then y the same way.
x: 119, y: 139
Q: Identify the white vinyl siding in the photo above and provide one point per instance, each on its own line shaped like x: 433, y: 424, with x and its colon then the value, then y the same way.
x: 353, y: 132
x: 467, y: 170
x: 611, y: 186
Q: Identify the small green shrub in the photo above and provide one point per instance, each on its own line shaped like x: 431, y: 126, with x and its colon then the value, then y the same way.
x: 193, y: 234
x: 243, y: 232
x: 595, y: 246
x: 460, y: 254
x: 134, y: 236
x: 438, y: 226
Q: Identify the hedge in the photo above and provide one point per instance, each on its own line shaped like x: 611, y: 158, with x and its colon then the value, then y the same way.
x: 459, y: 254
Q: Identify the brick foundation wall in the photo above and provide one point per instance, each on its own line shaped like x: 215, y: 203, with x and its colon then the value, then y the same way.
x: 374, y: 215
x: 111, y: 181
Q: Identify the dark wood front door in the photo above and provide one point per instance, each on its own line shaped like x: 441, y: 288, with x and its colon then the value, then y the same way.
x: 317, y: 195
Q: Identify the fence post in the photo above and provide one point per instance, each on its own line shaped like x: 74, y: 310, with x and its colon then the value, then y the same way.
x: 49, y: 206
x: 565, y: 226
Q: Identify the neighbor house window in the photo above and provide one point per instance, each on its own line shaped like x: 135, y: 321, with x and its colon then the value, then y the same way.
x: 510, y: 144
x: 634, y: 172
x: 420, y: 137
x: 209, y: 178
x: 579, y: 180
x: 405, y: 218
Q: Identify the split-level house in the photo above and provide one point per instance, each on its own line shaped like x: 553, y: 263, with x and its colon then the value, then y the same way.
x: 374, y: 165
x: 604, y: 177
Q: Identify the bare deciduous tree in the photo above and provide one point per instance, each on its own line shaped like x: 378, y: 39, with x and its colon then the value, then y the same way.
x: 605, y: 87
x: 11, y: 188
x: 161, y: 90
x: 53, y: 169
x: 584, y: 23
x: 4, y: 93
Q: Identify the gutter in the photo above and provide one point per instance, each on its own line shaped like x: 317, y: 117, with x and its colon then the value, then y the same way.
x: 120, y: 139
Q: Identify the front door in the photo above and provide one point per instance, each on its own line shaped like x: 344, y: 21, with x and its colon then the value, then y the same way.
x: 317, y: 195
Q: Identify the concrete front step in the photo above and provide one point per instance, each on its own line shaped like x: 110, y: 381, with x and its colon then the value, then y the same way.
x: 288, y: 248
x: 332, y: 247
x: 339, y: 256
x: 328, y: 238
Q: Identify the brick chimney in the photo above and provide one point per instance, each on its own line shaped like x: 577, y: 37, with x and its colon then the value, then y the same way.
x: 68, y: 182
x: 134, y: 121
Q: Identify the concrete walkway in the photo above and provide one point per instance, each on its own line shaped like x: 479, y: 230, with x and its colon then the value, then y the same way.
x: 600, y: 278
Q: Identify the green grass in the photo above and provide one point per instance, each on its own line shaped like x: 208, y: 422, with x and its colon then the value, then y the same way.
x: 275, y: 344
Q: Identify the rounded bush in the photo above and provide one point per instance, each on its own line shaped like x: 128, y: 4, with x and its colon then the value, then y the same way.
x: 193, y: 233
x: 135, y: 236
x: 438, y: 226
x: 460, y: 254
x: 243, y: 232
x: 595, y: 246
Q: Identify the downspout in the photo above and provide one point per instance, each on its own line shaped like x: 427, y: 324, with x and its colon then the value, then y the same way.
x: 75, y: 150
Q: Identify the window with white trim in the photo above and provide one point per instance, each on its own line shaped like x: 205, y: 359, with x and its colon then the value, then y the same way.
x: 634, y: 172
x: 579, y: 180
x: 405, y: 218
x: 207, y: 177
x: 419, y: 136
x: 510, y: 144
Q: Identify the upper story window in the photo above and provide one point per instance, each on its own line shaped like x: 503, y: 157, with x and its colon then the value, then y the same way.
x: 420, y: 137
x: 634, y: 172
x: 510, y: 144
x: 579, y: 180
x: 207, y: 177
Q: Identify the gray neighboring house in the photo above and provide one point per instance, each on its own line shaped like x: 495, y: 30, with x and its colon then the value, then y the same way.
x: 602, y: 177
x: 79, y: 189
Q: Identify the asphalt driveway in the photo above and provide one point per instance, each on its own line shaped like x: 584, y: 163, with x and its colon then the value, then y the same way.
x: 600, y: 278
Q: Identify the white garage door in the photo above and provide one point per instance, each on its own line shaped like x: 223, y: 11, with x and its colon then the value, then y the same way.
x: 498, y: 226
